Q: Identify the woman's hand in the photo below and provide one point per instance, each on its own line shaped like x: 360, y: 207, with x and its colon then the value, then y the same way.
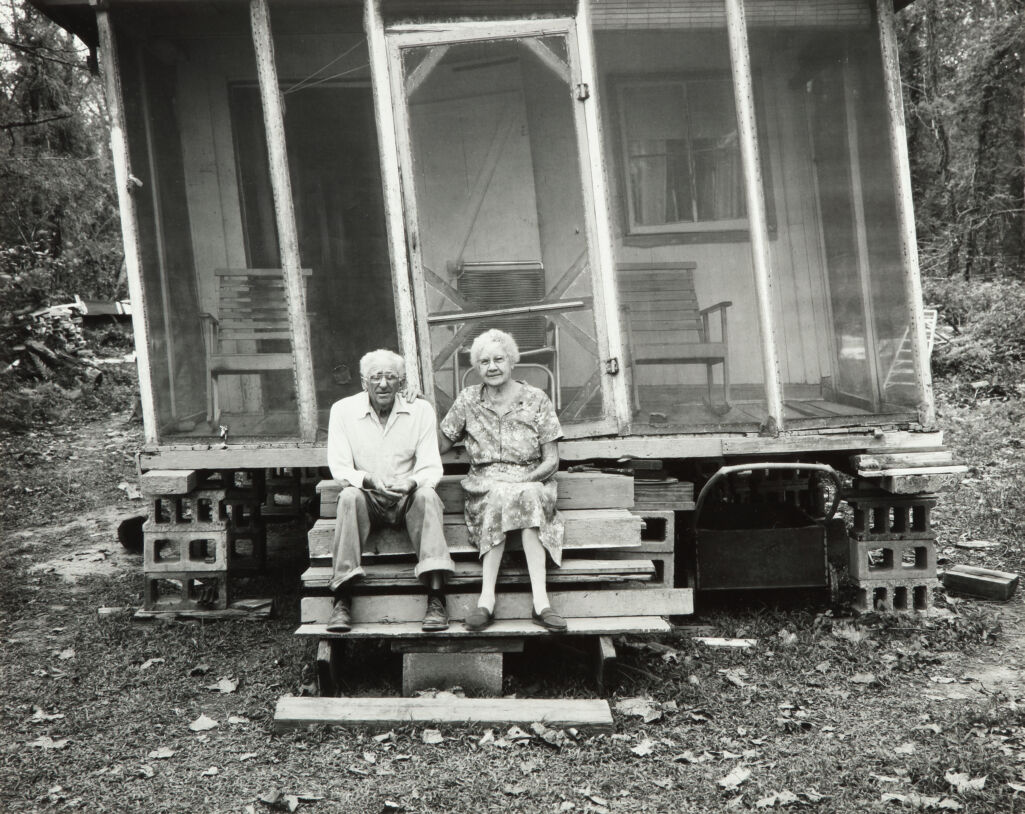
x: 549, y: 463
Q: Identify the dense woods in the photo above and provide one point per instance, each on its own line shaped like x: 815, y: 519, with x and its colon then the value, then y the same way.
x: 965, y: 103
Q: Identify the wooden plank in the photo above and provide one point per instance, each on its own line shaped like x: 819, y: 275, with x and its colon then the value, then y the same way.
x: 983, y: 582
x: 284, y: 215
x: 427, y: 644
x: 167, y: 481
x: 411, y: 631
x: 585, y: 529
x: 577, y: 490
x: 559, y: 713
x: 400, y: 574
x: 582, y: 605
x: 953, y: 469
x: 606, y: 662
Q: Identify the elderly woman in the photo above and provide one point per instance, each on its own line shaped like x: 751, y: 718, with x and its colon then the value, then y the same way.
x: 511, y: 434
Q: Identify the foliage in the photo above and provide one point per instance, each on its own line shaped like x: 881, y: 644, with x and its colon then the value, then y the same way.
x: 963, y: 78
x: 59, y: 230
x: 986, y: 336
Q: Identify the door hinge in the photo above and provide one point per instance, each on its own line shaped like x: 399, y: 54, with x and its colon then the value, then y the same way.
x: 583, y: 91
x: 612, y: 366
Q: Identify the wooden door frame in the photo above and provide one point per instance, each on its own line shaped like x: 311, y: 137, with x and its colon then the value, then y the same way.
x: 615, y: 404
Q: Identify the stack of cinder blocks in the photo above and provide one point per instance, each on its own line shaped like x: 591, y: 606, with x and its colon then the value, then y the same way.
x: 892, y: 550
x: 199, y: 529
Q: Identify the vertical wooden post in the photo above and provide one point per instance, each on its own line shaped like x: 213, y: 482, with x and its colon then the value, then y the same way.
x: 129, y: 223
x: 905, y: 210
x: 284, y: 214
x: 743, y: 91
x: 390, y: 179
x: 596, y: 194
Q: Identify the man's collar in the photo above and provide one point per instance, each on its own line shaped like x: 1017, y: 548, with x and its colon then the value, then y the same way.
x: 401, y: 405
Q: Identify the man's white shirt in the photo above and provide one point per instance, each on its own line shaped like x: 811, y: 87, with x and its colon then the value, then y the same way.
x: 406, y: 446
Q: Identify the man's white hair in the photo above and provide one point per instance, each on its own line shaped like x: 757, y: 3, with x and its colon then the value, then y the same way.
x: 382, y: 355
x: 501, y: 338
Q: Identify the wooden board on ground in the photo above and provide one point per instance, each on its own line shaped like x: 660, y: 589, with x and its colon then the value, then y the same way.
x: 559, y: 713
x: 168, y: 481
x: 243, y: 609
x: 392, y: 608
x: 577, y: 490
x: 502, y: 628
x: 400, y: 574
x: 585, y: 529
x: 983, y: 582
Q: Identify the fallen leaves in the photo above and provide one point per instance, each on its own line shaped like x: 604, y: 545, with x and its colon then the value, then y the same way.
x: 40, y: 716
x: 224, y: 686
x: 645, y: 708
x: 777, y: 798
x: 739, y: 775
x: 644, y: 748
x: 922, y: 801
x: 150, y: 663
x: 431, y: 736
x: 46, y: 742
x: 203, y: 723
x: 963, y: 782
x: 864, y: 678
x: 163, y: 753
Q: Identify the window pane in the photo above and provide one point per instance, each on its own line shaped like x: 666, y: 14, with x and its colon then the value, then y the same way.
x: 845, y: 344
x: 684, y: 271
x: 502, y: 230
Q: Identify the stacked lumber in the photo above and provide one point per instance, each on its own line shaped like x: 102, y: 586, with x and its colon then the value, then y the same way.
x: 909, y: 473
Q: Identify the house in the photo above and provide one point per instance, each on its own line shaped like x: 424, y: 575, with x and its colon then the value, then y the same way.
x: 694, y: 215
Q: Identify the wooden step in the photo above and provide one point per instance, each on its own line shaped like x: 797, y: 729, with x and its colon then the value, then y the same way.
x: 585, y: 529
x: 577, y: 490
x: 501, y: 628
x: 400, y: 574
x: 586, y: 714
x: 394, y: 608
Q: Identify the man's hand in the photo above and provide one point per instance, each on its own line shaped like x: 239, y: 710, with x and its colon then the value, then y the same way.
x: 400, y: 486
x: 382, y: 487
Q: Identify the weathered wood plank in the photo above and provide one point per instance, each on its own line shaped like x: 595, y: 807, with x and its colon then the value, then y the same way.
x: 410, y: 631
x: 984, y: 582
x: 577, y: 490
x: 901, y: 460
x: 389, y: 609
x: 167, y: 481
x: 400, y: 574
x: 602, y: 528
x: 427, y: 644
x: 586, y: 714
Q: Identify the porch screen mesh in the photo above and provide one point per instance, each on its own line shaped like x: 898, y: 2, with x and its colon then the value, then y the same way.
x: 660, y: 14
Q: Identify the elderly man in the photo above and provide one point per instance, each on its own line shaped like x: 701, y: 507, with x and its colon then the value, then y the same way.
x: 385, y: 450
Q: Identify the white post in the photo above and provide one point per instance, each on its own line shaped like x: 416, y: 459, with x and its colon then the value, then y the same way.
x: 743, y: 90
x: 392, y: 184
x: 129, y: 224
x: 905, y: 211
x: 284, y: 214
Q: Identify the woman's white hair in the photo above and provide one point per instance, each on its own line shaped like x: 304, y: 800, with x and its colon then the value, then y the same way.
x: 501, y: 338
x: 381, y: 355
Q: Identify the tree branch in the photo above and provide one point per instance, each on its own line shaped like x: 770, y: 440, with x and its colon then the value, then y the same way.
x: 33, y: 123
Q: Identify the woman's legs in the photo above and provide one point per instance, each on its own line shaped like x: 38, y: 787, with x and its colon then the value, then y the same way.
x: 535, y: 555
x: 490, y: 563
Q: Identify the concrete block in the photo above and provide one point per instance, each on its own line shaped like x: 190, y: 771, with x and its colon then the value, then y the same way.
x: 186, y: 590
x: 477, y: 673
x: 168, y: 481
x: 892, y: 559
x: 882, y: 516
x: 896, y: 596
x: 184, y: 550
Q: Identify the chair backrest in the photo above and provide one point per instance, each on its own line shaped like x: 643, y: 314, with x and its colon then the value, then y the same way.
x: 661, y: 305
x: 251, y: 304
x: 506, y: 285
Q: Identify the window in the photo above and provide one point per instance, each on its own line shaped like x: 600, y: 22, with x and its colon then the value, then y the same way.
x: 681, y: 154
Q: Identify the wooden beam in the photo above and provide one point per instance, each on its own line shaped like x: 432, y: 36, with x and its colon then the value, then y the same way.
x: 582, y: 608
x: 284, y: 216
x: 500, y: 630
x: 125, y: 182
x: 743, y: 91
x: 984, y: 582
x: 905, y: 210
x: 392, y: 186
x: 559, y: 713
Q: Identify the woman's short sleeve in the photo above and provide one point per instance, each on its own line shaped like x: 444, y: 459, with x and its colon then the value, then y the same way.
x: 454, y: 422
x: 548, y: 426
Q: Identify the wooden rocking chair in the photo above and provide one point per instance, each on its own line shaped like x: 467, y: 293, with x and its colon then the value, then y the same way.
x: 665, y: 326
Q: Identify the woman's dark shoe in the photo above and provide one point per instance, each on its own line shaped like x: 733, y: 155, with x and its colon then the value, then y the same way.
x: 341, y: 616
x: 549, y: 620
x: 479, y: 619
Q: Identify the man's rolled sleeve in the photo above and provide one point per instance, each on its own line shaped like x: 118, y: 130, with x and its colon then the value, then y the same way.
x: 427, y: 468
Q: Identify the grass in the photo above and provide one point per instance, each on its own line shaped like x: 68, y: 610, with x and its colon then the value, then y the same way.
x: 836, y: 712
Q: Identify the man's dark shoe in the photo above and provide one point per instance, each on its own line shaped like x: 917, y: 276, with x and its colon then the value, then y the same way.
x: 341, y: 616
x: 550, y: 620
x: 436, y: 617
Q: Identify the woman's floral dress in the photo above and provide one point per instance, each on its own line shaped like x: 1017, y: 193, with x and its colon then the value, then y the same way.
x: 502, y: 450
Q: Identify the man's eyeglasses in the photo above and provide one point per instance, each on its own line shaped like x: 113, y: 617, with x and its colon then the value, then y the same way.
x: 377, y: 378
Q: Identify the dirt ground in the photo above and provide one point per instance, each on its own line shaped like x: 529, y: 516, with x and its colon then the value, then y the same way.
x: 826, y: 712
